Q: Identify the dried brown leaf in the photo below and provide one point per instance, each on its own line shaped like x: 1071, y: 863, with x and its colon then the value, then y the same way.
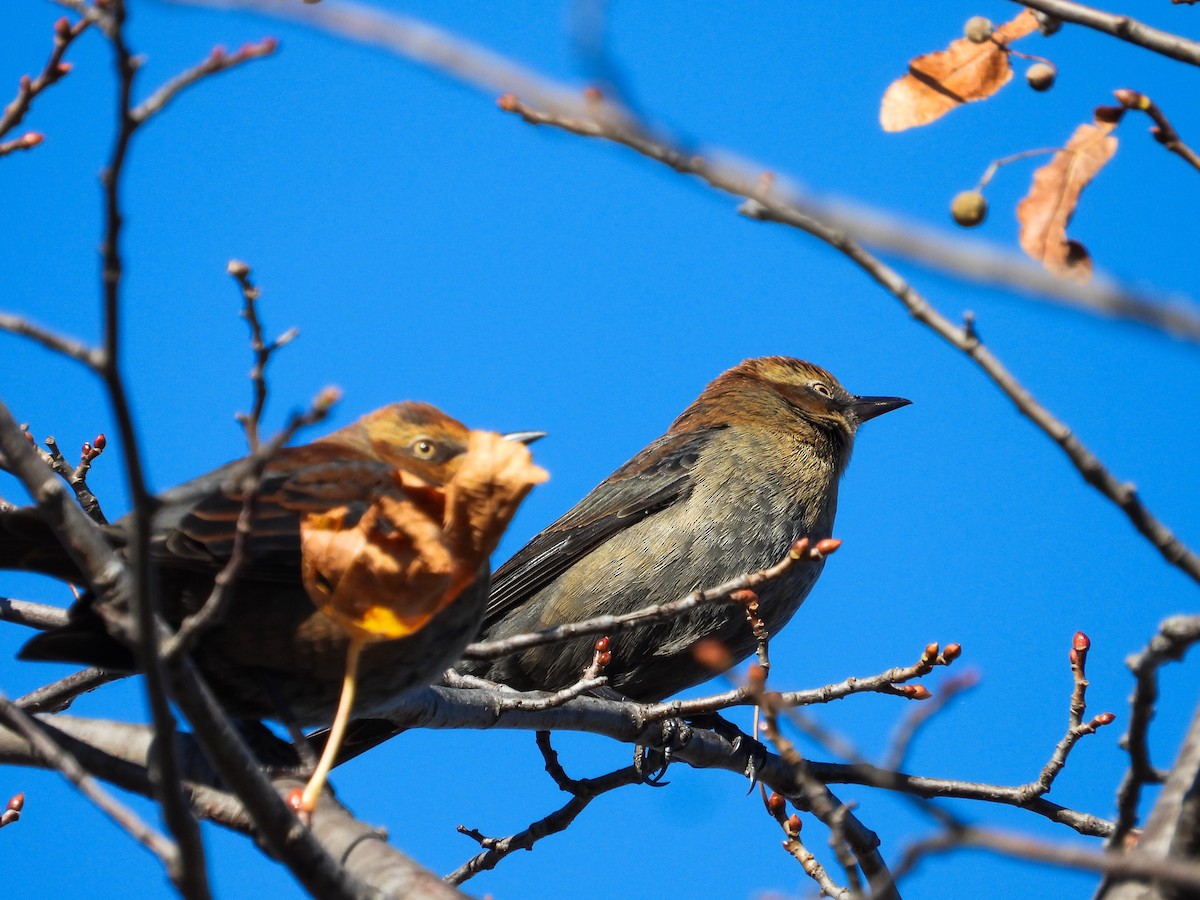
x: 386, y: 572
x: 484, y: 494
x: 1048, y: 207
x: 940, y: 81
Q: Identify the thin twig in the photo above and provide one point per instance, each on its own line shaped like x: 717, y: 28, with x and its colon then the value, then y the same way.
x: 891, y: 681
x: 1175, y: 637
x: 1076, y: 727
x: 64, y: 34
x: 218, y: 60
x: 800, y: 551
x: 263, y: 351
x: 58, y: 758
x: 911, y: 725
x: 76, y: 476
x: 1123, y: 27
x: 813, y: 794
x: 34, y: 615
x: 68, y: 347
x: 1164, y: 132
x: 57, y: 696
x: 187, y: 868
x: 582, y: 792
x: 1134, y: 864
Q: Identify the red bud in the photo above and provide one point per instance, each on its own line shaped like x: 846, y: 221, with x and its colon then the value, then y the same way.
x: 17, y: 803
x: 592, y: 94
x: 794, y: 824
x: 1080, y: 642
x: 917, y: 692
x: 508, y: 102
x: 100, y: 443
x: 602, y: 644
x: 776, y: 805
x: 62, y: 28
x: 1105, y: 718
x: 828, y: 546
x: 952, y: 652
x: 712, y: 654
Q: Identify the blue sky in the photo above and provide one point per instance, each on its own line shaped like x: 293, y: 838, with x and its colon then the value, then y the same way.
x: 430, y: 247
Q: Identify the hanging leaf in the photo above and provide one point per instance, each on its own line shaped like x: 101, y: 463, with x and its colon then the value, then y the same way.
x: 1047, y: 209
x: 941, y: 81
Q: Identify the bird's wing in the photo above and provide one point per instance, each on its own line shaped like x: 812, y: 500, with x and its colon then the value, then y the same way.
x: 199, y: 531
x: 659, y: 476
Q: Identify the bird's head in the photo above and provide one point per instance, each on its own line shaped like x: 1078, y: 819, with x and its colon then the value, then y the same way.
x: 416, y: 437
x: 781, y: 390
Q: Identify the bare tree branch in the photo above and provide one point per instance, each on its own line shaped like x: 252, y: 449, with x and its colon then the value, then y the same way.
x: 1122, y: 27
x: 59, y: 758
x: 1175, y: 636
x: 64, y: 34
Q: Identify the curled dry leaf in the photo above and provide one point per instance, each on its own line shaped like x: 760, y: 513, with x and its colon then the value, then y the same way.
x: 383, y: 573
x: 1048, y: 207
x: 938, y: 82
x: 482, y: 497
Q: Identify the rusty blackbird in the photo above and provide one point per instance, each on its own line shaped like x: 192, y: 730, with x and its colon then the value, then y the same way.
x: 749, y: 467
x: 272, y: 654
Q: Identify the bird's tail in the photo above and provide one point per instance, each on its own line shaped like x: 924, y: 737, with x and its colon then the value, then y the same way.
x: 28, y: 544
x: 83, y: 640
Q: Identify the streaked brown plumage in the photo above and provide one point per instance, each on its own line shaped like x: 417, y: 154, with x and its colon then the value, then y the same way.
x: 274, y: 654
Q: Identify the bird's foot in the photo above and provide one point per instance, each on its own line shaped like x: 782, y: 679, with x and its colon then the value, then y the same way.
x: 756, y: 752
x: 650, y: 761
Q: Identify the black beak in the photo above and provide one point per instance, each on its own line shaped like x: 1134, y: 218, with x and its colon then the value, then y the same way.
x: 528, y: 437
x: 865, y: 408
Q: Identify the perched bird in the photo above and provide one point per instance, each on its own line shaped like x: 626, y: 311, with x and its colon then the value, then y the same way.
x: 333, y: 521
x: 750, y: 466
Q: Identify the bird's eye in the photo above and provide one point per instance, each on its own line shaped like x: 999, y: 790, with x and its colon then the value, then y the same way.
x: 423, y: 448
x: 823, y: 390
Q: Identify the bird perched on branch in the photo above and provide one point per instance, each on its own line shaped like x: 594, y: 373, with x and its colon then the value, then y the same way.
x: 750, y: 466
x: 367, y: 548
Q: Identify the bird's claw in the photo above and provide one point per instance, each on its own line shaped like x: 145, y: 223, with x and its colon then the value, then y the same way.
x: 675, y: 735
x: 756, y: 757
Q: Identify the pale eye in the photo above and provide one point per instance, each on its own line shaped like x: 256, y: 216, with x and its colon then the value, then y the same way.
x: 823, y: 390
x: 423, y: 448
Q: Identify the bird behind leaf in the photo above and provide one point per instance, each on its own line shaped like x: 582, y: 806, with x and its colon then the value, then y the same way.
x: 274, y: 654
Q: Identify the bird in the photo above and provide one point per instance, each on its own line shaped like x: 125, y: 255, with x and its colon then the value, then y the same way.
x: 274, y: 654
x: 753, y: 464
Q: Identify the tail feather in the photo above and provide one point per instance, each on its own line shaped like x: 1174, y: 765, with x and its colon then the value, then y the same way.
x: 75, y: 644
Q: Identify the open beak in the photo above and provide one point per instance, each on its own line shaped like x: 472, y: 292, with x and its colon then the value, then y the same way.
x: 528, y: 437
x: 865, y: 408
